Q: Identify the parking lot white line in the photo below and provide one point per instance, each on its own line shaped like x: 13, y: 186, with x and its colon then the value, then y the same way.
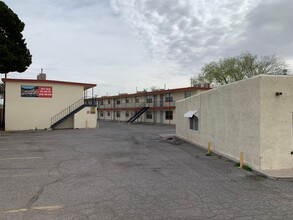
x: 21, y: 158
x: 16, y: 148
x: 29, y: 175
x: 8, y: 148
x: 42, y: 208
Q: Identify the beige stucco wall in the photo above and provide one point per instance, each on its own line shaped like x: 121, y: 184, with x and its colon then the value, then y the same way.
x: 85, y: 119
x: 24, y: 113
x: 276, y: 122
x: 67, y: 124
x: 229, y: 117
x: 245, y: 116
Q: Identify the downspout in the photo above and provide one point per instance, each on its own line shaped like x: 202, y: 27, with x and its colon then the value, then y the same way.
x: 169, y: 108
x: 4, y: 101
x: 93, y: 103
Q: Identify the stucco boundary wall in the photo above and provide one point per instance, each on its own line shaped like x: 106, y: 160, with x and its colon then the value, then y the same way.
x: 245, y: 116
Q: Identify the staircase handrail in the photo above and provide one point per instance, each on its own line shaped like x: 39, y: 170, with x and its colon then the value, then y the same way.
x: 67, y: 110
x: 142, y: 105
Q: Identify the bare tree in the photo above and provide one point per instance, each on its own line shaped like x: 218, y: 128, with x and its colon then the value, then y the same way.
x: 240, y: 67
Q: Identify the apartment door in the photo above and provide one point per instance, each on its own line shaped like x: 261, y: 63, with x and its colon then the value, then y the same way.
x: 161, y: 117
x: 162, y: 100
x: 155, y: 100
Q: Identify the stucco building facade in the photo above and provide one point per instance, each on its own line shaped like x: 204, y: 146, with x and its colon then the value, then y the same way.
x: 252, y: 116
x: 45, y: 104
x: 159, y: 105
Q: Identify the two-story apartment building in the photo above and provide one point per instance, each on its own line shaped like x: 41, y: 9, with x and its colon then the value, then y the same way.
x: 33, y: 104
x: 151, y: 107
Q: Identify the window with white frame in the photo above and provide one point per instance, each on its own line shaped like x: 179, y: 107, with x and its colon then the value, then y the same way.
x: 193, y: 123
x: 193, y: 117
x: 187, y: 94
x: 118, y: 102
x: 149, y: 99
x: 169, y: 115
x: 101, y: 114
x: 108, y: 113
x: 168, y: 97
x: 149, y: 115
x: 101, y: 102
x: 127, y: 114
x: 118, y: 114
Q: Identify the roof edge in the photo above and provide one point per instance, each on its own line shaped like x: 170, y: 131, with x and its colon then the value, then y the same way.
x: 155, y: 92
x: 90, y: 85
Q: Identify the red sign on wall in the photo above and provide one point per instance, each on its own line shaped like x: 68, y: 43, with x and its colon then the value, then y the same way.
x: 45, y: 91
x: 36, y: 91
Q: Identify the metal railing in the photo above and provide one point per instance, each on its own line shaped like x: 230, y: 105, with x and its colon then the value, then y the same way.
x: 161, y: 103
x: 68, y: 110
x: 142, y: 109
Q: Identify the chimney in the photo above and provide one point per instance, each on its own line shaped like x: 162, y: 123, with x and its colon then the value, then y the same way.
x: 41, y: 76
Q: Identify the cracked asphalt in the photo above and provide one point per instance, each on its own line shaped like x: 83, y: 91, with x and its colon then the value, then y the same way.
x: 128, y: 172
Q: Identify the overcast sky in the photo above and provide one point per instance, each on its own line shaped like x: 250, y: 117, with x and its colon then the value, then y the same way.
x: 122, y: 45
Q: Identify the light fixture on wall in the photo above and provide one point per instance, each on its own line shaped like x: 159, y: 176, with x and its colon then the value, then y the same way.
x: 278, y: 93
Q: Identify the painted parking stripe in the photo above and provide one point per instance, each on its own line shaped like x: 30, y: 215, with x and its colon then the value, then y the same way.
x: 29, y: 175
x: 21, y: 158
x: 14, y: 148
x: 42, y: 208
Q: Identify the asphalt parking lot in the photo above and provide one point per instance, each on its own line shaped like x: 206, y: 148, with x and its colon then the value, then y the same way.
x: 128, y: 172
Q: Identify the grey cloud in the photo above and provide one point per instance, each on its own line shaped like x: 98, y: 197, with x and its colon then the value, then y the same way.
x: 269, y: 28
x: 185, y: 32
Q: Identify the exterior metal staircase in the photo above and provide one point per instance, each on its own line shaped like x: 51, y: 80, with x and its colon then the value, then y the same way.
x: 139, y: 113
x: 71, y: 110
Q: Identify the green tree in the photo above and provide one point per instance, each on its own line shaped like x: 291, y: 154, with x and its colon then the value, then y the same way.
x: 14, y: 55
x: 236, y: 68
x: 154, y: 88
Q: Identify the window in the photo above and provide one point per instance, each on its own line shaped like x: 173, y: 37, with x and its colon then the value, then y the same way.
x: 109, y: 101
x: 118, y: 114
x: 108, y: 113
x: 169, y: 115
x: 118, y: 101
x: 126, y: 100
x: 127, y: 114
x: 101, y: 102
x: 149, y: 99
x: 193, y: 123
x: 193, y: 119
x: 187, y: 94
x: 136, y: 100
x: 168, y: 97
x: 149, y: 115
x: 101, y: 114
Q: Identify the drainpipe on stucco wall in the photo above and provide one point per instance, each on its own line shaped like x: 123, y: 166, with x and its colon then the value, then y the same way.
x: 4, y: 102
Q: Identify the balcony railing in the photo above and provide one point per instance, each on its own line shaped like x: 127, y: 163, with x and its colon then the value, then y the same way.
x: 138, y: 104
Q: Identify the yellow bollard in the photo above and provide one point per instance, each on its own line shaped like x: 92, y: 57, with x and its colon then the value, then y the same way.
x: 209, y: 147
x: 241, y: 160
